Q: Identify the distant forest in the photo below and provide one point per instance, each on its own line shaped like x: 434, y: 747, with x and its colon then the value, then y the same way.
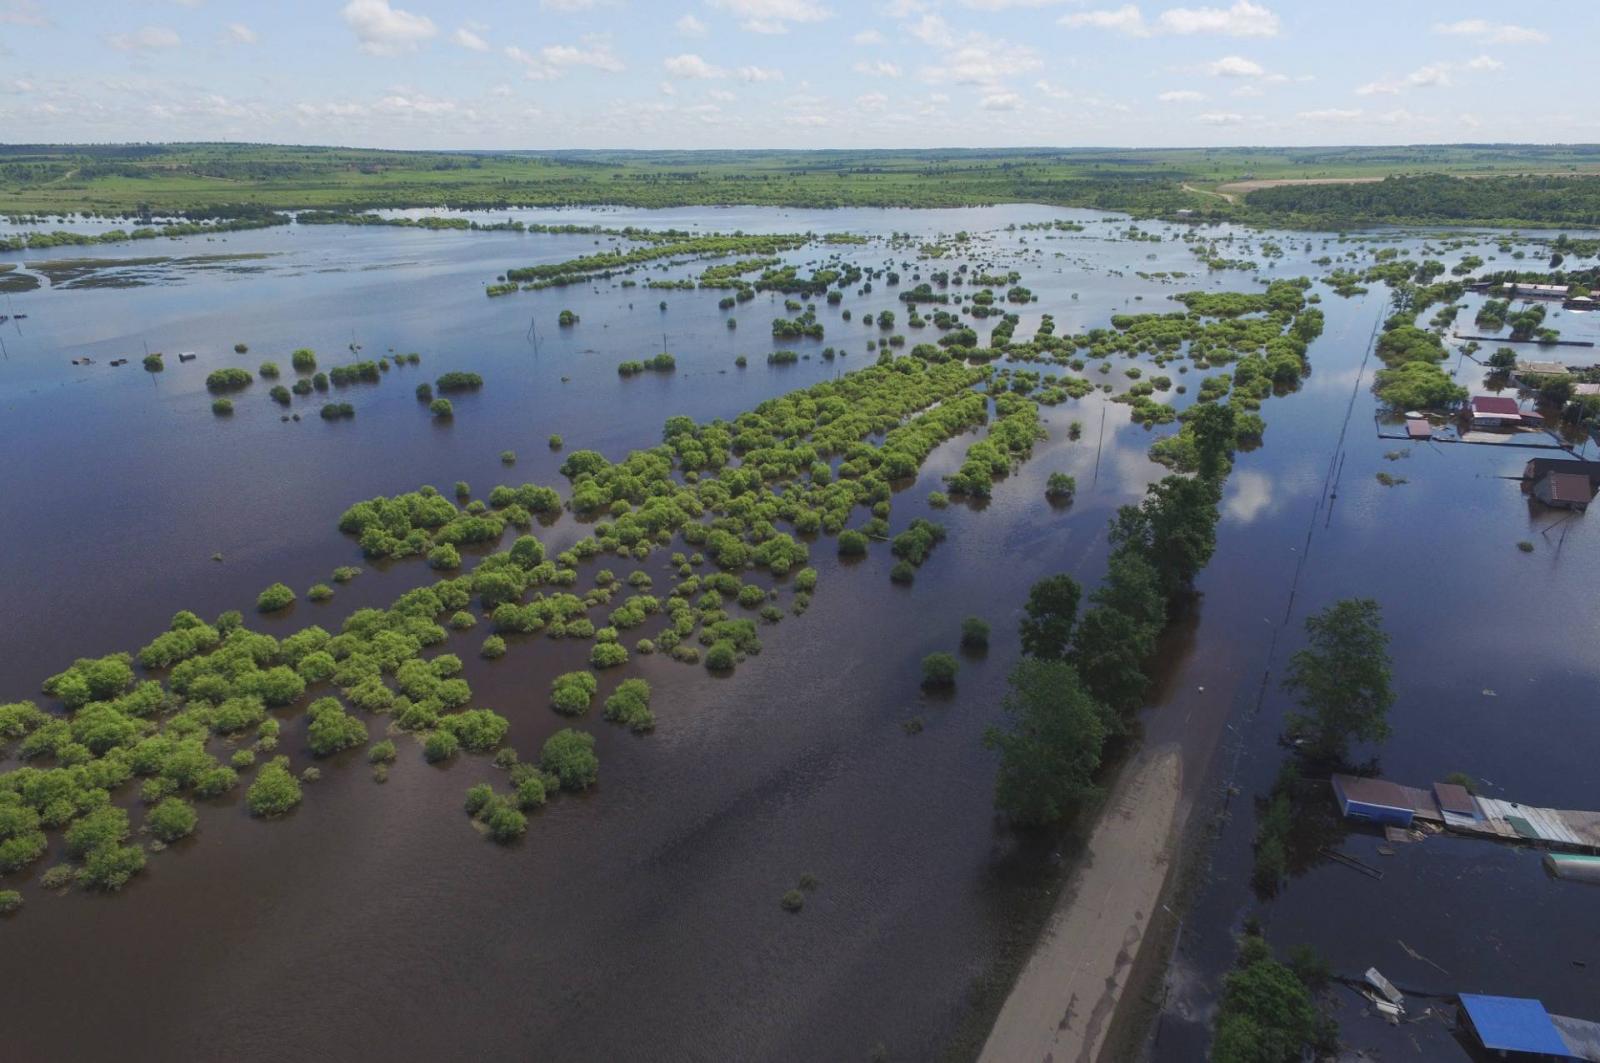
x: 1420, y: 185
x: 1573, y: 201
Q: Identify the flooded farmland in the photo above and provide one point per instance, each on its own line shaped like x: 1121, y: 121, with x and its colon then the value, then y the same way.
x: 642, y: 918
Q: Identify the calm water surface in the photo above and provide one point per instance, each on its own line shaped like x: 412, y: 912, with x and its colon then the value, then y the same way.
x: 642, y: 919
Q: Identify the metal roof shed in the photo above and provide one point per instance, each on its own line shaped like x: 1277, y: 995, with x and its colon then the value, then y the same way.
x: 1373, y: 800
x: 1565, y: 490
x: 1514, y: 1024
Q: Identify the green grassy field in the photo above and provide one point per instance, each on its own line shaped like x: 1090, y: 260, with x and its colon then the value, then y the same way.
x: 225, y: 178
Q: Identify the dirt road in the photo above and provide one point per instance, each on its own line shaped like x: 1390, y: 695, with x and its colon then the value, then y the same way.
x: 1063, y: 1002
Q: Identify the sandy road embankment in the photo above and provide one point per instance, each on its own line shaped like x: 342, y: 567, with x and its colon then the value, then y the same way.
x: 1062, y: 1003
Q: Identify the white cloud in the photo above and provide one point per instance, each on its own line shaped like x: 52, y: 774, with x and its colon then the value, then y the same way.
x: 691, y: 66
x: 981, y: 60
x: 22, y: 13
x: 533, y: 68
x: 1468, y: 120
x: 722, y: 95
x: 554, y: 60
x: 1181, y: 96
x: 932, y: 30
x: 690, y: 26
x: 239, y: 33
x: 1234, y: 66
x: 1330, y: 114
x: 148, y: 38
x: 598, y: 56
x: 866, y: 37
x: 758, y: 74
x: 807, y: 120
x: 570, y: 5
x: 385, y: 30
x: 1125, y: 19
x: 1222, y: 118
x: 1434, y: 75
x: 872, y: 101
x: 878, y: 68
x: 1001, y: 101
x: 1007, y: 5
x: 469, y: 40
x: 1243, y: 19
x: 1484, y: 62
x: 1492, y: 32
x: 772, y: 16
x: 1399, y: 116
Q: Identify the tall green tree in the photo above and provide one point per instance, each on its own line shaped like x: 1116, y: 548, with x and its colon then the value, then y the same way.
x: 1216, y: 433
x: 1267, y: 1014
x: 1110, y: 652
x: 1052, y: 610
x: 1174, y: 529
x: 1051, y: 745
x: 1342, y: 679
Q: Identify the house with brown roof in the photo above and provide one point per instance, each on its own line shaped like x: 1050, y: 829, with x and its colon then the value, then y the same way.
x: 1564, y: 490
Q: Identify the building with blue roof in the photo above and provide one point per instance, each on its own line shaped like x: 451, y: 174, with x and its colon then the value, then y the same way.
x: 1514, y: 1027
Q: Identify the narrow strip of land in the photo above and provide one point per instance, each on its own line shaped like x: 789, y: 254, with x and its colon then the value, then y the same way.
x: 1062, y: 1004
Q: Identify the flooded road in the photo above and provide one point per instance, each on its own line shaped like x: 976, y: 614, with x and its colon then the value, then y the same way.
x: 642, y: 919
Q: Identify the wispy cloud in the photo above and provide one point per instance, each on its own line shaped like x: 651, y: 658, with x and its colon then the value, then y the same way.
x: 1492, y: 32
x: 385, y: 30
x: 1243, y: 19
x: 146, y: 39
x: 773, y: 16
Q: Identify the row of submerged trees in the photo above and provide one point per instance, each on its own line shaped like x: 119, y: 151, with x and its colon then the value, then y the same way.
x: 1082, y: 677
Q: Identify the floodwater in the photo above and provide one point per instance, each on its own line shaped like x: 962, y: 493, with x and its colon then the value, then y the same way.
x: 642, y: 919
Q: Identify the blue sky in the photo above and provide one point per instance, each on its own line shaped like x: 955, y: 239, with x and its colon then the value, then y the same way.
x: 796, y: 73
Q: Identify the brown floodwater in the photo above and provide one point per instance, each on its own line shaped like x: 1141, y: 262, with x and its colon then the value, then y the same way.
x: 642, y: 919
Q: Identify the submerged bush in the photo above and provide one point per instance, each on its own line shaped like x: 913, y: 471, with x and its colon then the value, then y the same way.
x: 332, y: 729
x: 441, y: 745
x: 939, y: 670
x: 630, y: 704
x: 275, y: 790
x: 975, y: 633
x: 111, y: 866
x: 441, y: 408
x: 172, y: 818
x: 569, y: 756
x: 227, y: 379
x: 276, y: 597
x: 607, y: 655
x: 722, y: 656
x: 458, y: 381
x: 571, y: 692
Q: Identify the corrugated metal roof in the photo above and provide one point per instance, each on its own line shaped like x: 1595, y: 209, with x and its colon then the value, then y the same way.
x: 1495, y: 405
x: 1453, y: 797
x: 1514, y: 1024
x: 1581, y: 1035
x: 1379, y: 792
x: 1569, y: 487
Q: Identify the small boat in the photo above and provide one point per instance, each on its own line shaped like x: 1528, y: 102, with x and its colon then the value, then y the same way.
x: 187, y: 356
